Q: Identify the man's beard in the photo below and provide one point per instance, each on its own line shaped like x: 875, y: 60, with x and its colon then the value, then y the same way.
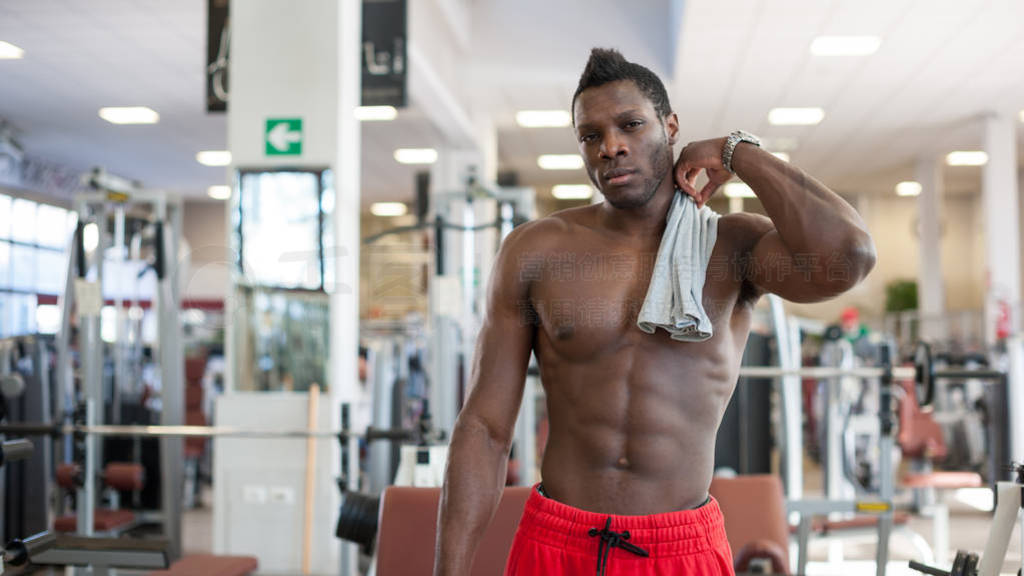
x: 661, y: 166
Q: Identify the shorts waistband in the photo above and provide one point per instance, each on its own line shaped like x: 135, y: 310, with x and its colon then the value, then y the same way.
x: 666, y: 534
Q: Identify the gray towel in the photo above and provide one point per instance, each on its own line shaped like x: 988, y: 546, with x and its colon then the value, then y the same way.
x: 674, y: 297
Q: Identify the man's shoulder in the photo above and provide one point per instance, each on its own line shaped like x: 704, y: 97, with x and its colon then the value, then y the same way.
x: 545, y: 234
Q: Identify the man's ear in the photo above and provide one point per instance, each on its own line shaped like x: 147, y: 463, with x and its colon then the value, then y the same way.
x: 672, y: 128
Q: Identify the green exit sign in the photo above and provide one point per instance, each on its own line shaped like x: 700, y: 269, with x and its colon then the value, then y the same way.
x: 283, y: 137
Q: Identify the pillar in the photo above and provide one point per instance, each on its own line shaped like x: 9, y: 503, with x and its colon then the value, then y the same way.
x: 295, y: 60
x: 931, y: 291
x: 1001, y: 225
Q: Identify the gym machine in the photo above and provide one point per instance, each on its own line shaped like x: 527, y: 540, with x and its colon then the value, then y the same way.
x: 110, y: 206
x: 1009, y: 511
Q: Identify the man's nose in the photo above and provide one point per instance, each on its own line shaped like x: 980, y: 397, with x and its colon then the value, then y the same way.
x: 613, y: 146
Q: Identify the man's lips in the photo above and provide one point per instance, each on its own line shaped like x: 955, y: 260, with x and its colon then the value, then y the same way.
x: 618, y: 175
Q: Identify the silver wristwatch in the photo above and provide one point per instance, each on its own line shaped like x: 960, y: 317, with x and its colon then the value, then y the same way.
x: 730, y: 146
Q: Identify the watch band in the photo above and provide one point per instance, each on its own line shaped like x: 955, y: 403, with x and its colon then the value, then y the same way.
x: 730, y: 146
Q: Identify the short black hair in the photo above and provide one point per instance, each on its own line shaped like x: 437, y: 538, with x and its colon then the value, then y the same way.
x: 609, y: 65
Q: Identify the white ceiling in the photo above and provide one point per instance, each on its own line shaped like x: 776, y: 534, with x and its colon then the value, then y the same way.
x: 941, y: 64
x: 727, y: 62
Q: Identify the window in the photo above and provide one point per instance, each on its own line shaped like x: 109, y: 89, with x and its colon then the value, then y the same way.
x: 280, y: 229
x: 33, y: 261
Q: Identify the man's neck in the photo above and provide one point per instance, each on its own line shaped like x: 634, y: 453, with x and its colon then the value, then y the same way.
x: 642, y: 221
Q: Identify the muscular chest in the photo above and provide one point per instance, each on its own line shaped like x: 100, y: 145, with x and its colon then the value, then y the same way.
x: 587, y: 302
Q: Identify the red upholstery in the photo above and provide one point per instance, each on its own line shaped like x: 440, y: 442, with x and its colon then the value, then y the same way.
x: 124, y: 476
x: 943, y: 480
x: 408, y: 527
x: 194, y: 445
x: 210, y: 565
x: 68, y: 475
x: 193, y: 397
x: 920, y: 436
x: 195, y: 367
x: 755, y: 511
x: 102, y: 521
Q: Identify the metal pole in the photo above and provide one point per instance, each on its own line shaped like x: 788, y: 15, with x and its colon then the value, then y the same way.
x: 789, y: 388
x: 118, y: 346
x: 86, y: 498
x: 171, y: 382
x: 1015, y: 396
x: 526, y: 432
x: 66, y: 301
x: 887, y: 421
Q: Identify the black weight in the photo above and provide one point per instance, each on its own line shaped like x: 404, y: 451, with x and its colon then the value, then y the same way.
x: 833, y: 333
x: 357, y: 519
x: 924, y: 374
x: 971, y: 565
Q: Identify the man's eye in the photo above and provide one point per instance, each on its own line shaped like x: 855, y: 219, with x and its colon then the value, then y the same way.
x: 588, y: 138
x: 634, y: 124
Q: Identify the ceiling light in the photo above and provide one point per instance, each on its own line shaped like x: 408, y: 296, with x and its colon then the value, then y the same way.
x: 376, y: 113
x: 784, y: 156
x: 221, y: 192
x: 214, y: 157
x: 795, y: 116
x: 388, y: 209
x: 967, y: 158
x: 10, y: 51
x: 543, y: 118
x: 909, y: 188
x: 738, y: 190
x: 130, y: 115
x: 845, y: 45
x: 560, y: 161
x: 416, y: 155
x: 573, y: 191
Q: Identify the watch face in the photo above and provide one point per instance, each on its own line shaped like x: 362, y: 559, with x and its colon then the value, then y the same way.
x: 748, y: 137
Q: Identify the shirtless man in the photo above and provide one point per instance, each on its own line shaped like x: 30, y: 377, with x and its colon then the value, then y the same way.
x: 633, y: 416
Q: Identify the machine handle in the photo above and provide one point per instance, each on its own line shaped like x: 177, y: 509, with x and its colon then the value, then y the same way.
x: 13, y: 450
x: 20, y: 552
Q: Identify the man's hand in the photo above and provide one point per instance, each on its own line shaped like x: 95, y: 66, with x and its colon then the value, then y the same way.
x: 696, y: 156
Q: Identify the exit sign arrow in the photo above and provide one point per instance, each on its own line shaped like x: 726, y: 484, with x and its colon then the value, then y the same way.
x: 283, y: 137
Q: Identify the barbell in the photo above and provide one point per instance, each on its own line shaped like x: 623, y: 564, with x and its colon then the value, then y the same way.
x: 136, y: 431
x: 923, y: 373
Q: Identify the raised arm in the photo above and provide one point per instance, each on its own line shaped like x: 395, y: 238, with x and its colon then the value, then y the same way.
x: 478, y: 454
x: 814, y: 247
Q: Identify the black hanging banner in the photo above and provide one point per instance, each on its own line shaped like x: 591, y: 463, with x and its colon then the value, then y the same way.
x: 218, y: 41
x: 384, y: 53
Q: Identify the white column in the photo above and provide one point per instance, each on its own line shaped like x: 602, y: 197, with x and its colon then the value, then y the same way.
x: 295, y: 60
x: 1001, y: 225
x: 344, y: 302
x: 930, y: 288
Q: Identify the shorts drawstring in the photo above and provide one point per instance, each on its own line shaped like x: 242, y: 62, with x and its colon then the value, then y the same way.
x: 609, y: 540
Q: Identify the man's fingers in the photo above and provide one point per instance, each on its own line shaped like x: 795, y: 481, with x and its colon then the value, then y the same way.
x: 706, y: 192
x: 686, y: 179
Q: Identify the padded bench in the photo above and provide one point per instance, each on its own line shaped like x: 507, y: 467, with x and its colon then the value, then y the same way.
x: 121, y: 476
x: 102, y: 521
x: 210, y: 565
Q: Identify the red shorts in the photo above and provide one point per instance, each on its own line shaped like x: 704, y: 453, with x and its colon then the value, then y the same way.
x: 554, y: 538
